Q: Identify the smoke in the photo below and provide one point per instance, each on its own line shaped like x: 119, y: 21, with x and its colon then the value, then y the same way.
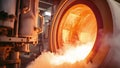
x: 68, y: 56
x: 43, y: 62
x: 50, y: 60
x: 113, y: 56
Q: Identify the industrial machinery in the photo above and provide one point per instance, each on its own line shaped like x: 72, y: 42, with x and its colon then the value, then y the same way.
x: 82, y: 21
x: 76, y: 22
x: 19, y: 28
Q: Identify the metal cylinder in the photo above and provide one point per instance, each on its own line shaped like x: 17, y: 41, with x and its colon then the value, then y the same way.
x: 8, y: 6
x: 7, y: 10
x: 15, y: 56
x: 28, y: 18
x: 15, y: 63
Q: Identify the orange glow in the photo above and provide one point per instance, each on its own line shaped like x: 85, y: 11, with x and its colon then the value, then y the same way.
x: 78, y: 30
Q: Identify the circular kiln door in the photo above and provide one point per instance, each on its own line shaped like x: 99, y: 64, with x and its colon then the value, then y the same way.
x: 82, y: 25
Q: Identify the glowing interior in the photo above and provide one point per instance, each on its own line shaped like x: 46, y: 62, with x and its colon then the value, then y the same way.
x: 78, y: 27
